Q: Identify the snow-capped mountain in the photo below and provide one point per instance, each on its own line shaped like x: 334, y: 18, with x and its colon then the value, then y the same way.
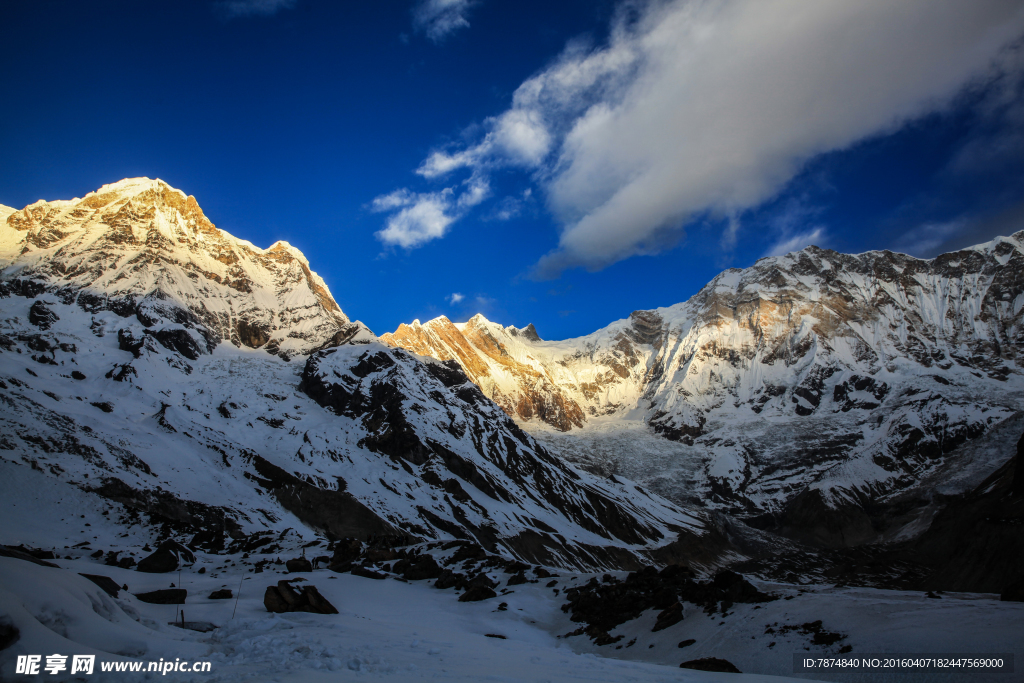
x: 134, y: 376
x: 142, y: 248
x: 805, y: 383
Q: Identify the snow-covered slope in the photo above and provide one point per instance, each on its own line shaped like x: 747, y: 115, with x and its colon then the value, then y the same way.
x: 115, y: 381
x: 140, y: 247
x: 839, y: 378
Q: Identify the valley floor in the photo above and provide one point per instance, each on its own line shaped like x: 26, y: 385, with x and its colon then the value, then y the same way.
x: 395, y: 631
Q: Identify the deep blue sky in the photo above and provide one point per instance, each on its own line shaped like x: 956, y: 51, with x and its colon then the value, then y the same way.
x: 288, y: 125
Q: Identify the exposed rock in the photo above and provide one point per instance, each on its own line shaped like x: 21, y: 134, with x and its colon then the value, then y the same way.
x: 283, y: 598
x: 9, y: 633
x: 299, y: 564
x: 516, y: 579
x: 477, y: 593
x: 222, y: 594
x: 166, y: 596
x: 421, y: 567
x: 41, y: 316
x: 711, y: 664
x: 670, y: 616
x: 367, y: 573
x: 605, y: 605
x: 274, y: 601
x: 108, y: 585
x: 165, y: 558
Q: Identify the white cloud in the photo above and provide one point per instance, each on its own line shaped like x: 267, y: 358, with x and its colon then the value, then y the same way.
x: 248, y: 8
x: 440, y: 18
x: 455, y: 298
x: 710, y: 107
x: 418, y: 218
x: 797, y: 242
x: 421, y: 218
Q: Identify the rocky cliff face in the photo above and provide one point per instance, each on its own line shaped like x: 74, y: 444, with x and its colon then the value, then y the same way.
x: 139, y: 247
x: 811, y: 380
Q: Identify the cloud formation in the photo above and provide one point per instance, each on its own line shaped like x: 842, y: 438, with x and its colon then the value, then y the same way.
x: 797, y: 242
x: 417, y: 218
x: 440, y: 18
x: 247, y: 8
x: 710, y: 107
x: 455, y: 298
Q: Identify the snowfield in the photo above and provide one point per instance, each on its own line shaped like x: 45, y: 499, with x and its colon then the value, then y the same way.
x: 394, y: 631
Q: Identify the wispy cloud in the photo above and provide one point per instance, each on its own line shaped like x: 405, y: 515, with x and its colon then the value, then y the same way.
x: 797, y: 242
x: 925, y: 241
x: 248, y: 8
x: 438, y: 19
x: 417, y: 218
x: 711, y: 108
x: 455, y: 298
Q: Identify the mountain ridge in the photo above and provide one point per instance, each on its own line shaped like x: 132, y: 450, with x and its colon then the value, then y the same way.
x: 878, y: 366
x: 146, y: 365
x: 164, y: 248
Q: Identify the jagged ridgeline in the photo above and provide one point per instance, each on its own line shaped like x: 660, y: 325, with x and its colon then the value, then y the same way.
x: 814, y: 393
x: 144, y: 362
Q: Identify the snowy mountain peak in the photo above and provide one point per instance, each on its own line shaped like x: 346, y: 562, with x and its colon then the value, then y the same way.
x: 142, y: 243
x: 874, y: 365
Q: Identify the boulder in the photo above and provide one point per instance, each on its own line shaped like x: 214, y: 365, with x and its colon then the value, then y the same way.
x: 477, y: 593
x: 316, y: 602
x: 450, y: 579
x: 167, y: 596
x: 222, y: 594
x: 345, y: 551
x: 516, y: 579
x: 422, y: 567
x: 669, y: 617
x: 283, y: 598
x: 711, y: 664
x: 273, y: 601
x: 482, y: 579
x: 299, y: 564
x: 366, y: 573
x: 165, y: 558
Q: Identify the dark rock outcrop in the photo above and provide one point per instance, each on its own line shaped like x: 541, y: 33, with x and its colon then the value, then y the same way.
x: 477, y: 593
x: 711, y: 664
x: 299, y: 564
x: 41, y: 316
x: 167, y: 596
x: 284, y: 598
x: 108, y: 585
x: 166, y: 558
x: 605, y: 605
x: 9, y: 633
